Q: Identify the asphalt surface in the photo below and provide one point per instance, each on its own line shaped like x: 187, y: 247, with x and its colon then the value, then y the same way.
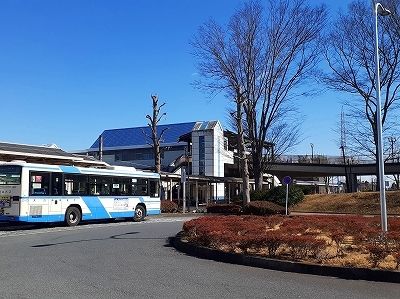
x: 134, y: 260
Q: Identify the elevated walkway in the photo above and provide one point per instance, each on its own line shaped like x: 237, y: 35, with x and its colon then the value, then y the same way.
x: 321, y: 170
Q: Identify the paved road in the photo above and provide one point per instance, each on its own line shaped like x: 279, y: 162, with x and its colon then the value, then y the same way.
x: 133, y: 260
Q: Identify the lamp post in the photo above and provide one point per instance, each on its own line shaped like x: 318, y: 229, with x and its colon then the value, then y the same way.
x: 312, y: 152
x: 379, y: 9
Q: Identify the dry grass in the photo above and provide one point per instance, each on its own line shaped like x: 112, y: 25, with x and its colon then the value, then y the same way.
x: 366, y: 203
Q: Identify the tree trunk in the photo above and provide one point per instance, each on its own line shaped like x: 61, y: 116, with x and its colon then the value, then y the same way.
x: 157, y: 158
x: 258, y: 173
x: 242, y: 153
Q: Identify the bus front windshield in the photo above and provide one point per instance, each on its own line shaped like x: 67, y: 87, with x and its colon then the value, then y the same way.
x: 10, y: 175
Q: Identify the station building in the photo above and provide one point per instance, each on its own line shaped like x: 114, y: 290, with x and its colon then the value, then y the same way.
x: 202, y: 148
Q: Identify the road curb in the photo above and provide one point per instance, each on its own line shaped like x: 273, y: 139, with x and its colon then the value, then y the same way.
x: 286, y: 266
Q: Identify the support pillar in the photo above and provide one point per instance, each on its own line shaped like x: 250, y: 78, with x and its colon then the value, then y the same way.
x: 229, y: 192
x: 196, y: 195
x: 207, y: 193
x: 170, y: 189
x: 353, y: 183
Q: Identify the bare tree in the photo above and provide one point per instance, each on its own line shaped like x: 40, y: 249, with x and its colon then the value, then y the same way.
x: 394, y: 152
x: 350, y: 56
x: 279, y: 59
x: 267, y: 55
x: 218, y: 64
x: 155, y: 137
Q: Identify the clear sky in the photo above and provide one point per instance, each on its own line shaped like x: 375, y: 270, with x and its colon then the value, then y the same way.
x: 70, y: 69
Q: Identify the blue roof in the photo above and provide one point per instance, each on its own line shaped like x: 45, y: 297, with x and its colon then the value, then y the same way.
x: 133, y: 137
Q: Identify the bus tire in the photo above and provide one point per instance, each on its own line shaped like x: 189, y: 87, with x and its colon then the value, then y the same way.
x: 73, y: 216
x: 140, y: 213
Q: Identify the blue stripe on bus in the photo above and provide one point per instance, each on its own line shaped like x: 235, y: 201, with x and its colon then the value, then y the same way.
x: 69, y: 169
x: 128, y: 214
x: 60, y: 218
x: 153, y: 212
x: 39, y: 218
x: 96, y: 208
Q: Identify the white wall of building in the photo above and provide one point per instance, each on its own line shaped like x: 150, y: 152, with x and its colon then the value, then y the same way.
x: 215, y: 155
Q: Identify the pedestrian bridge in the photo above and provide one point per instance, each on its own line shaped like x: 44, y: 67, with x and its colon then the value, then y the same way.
x: 299, y: 170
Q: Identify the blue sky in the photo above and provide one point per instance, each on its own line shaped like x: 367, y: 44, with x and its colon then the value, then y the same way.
x: 70, y: 69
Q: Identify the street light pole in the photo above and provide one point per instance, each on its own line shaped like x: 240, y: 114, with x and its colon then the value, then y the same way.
x: 379, y: 9
x: 312, y: 152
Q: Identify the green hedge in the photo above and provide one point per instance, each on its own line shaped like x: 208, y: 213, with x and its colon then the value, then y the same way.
x: 224, y: 209
x: 278, y: 195
x: 263, y: 208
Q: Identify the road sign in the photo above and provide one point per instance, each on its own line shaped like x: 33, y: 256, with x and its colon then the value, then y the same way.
x: 287, y: 180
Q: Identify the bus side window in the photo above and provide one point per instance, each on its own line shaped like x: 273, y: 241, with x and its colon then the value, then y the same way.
x: 76, y: 184
x: 56, y: 184
x: 140, y: 187
x: 153, y: 188
x: 39, y: 183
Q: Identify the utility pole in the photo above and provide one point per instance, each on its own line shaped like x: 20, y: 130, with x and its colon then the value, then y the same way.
x: 312, y: 153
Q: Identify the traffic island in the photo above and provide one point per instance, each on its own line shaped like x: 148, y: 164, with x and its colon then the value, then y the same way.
x: 280, y: 265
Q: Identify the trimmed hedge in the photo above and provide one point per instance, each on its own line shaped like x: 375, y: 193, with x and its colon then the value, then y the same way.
x: 263, y: 208
x: 278, y: 195
x: 228, y: 209
x: 168, y: 206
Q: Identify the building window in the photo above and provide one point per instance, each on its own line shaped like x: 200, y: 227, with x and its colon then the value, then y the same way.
x: 202, y: 155
x: 118, y: 156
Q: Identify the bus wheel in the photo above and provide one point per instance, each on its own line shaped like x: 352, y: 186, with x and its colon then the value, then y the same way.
x: 139, y: 213
x: 73, y: 216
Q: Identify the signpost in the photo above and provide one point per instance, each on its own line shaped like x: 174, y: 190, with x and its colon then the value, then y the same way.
x: 183, y: 181
x: 287, y: 180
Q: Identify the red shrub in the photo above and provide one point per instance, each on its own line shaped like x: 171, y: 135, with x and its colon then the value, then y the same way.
x: 316, y: 246
x: 298, y: 233
x: 230, y: 209
x: 338, y: 236
x: 273, y: 241
x: 295, y: 225
x: 377, y: 253
x: 168, y: 206
x: 394, y: 224
x: 298, y: 246
x: 263, y: 208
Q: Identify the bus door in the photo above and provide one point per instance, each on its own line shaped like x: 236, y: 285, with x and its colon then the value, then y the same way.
x: 10, y: 190
x: 56, y: 193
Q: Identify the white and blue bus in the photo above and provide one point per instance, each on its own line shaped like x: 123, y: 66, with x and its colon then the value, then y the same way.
x: 55, y: 193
